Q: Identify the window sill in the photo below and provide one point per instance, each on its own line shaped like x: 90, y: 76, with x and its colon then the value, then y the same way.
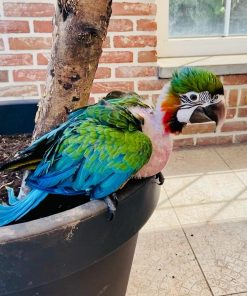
x: 220, y: 65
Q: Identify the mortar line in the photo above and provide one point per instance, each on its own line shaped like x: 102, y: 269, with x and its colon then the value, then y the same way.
x: 232, y: 294
x: 210, y: 289
x: 231, y: 169
x: 192, y: 250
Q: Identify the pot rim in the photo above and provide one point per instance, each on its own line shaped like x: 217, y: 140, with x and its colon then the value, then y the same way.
x: 51, y: 223
x: 18, y: 102
x: 70, y: 217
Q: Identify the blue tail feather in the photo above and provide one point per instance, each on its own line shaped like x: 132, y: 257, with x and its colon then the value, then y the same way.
x: 11, y: 196
x: 17, y: 208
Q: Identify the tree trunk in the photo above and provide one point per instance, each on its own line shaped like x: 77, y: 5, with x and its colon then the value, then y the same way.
x: 79, y: 31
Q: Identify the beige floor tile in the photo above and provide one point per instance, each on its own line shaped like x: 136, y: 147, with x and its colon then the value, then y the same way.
x: 164, y: 216
x: 201, y: 186
x: 194, y: 161
x: 165, y: 266
x: 215, y: 212
x: 242, y: 294
x: 204, y: 188
x: 242, y: 174
x: 221, y: 250
x: 236, y: 158
x: 207, y: 197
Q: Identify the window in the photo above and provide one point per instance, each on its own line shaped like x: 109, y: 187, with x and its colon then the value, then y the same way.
x: 189, y: 28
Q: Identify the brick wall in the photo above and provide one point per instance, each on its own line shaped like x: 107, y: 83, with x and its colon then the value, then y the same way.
x: 128, y: 62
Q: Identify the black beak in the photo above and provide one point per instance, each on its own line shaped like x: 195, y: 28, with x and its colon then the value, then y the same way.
x: 213, y: 112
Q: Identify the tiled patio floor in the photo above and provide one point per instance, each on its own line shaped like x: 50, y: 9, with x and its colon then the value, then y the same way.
x: 195, y: 244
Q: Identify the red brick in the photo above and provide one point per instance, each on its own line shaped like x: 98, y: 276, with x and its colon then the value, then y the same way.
x: 105, y: 87
x: 13, y: 26
x: 215, y: 140
x: 16, y: 59
x: 146, y: 25
x: 241, y: 138
x: 28, y: 9
x: 199, y: 128
x: 147, y: 56
x: 18, y: 91
x: 1, y: 44
x: 235, y: 79
x: 116, y: 57
x: 243, y: 99
x: 135, y: 71
x: 43, y: 58
x: 233, y: 98
x: 120, y: 25
x: 126, y: 8
x: 106, y: 43
x: 242, y: 112
x: 134, y: 41
x: 178, y: 143
x: 234, y: 126
x: 29, y: 75
x: 4, y: 76
x: 230, y: 113
x: 29, y: 43
x: 151, y: 84
x: 103, y: 72
x: 43, y: 26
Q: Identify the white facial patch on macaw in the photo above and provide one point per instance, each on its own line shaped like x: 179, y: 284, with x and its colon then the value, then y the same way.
x: 192, y: 100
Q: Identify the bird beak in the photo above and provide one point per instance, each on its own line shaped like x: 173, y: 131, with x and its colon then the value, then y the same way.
x: 214, y: 112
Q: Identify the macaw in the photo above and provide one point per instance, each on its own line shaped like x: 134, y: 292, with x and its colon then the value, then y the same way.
x: 100, y: 147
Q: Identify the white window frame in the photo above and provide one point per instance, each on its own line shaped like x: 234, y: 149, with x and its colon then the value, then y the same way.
x: 191, y: 47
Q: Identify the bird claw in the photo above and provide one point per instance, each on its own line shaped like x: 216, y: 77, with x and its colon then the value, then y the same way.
x: 160, y: 177
x: 115, y: 199
x: 112, y: 203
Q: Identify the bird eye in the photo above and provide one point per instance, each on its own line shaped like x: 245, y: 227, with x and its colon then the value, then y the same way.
x: 193, y: 97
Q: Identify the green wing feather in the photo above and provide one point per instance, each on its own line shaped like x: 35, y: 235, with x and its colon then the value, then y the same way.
x: 112, y: 114
x: 99, y: 157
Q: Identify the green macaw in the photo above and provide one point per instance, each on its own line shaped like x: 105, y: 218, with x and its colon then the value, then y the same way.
x: 100, y: 147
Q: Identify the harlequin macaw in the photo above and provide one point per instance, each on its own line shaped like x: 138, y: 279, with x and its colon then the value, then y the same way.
x: 100, y: 147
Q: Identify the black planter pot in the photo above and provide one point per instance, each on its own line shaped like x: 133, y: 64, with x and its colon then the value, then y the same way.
x: 17, y: 117
x: 77, y: 252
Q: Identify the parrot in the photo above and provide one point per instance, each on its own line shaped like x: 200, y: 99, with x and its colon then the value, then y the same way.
x: 102, y: 146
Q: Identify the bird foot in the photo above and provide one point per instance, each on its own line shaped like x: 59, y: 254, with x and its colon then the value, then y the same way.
x: 161, y: 178
x: 112, y: 203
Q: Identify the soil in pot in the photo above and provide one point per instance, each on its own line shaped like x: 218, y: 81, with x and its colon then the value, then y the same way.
x: 9, y: 146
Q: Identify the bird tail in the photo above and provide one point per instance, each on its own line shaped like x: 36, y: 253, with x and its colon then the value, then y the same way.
x: 17, y: 208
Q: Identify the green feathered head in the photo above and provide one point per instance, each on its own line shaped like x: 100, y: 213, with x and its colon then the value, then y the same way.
x: 195, y: 96
x: 195, y: 80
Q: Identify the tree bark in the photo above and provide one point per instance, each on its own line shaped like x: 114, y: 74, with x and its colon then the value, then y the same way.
x: 80, y: 28
x: 79, y: 31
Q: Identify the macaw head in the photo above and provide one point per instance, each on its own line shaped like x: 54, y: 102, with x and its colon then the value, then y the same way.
x: 194, y: 95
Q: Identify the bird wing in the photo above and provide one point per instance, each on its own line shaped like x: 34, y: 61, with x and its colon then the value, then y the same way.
x: 105, y: 113
x: 95, y: 155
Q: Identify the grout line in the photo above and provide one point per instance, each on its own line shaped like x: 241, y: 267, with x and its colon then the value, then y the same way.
x: 193, y: 252
x: 204, y: 276
x: 231, y: 169
x: 232, y: 294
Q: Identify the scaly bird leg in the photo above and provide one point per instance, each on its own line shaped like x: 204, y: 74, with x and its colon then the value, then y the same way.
x: 112, y: 203
x: 161, y: 178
